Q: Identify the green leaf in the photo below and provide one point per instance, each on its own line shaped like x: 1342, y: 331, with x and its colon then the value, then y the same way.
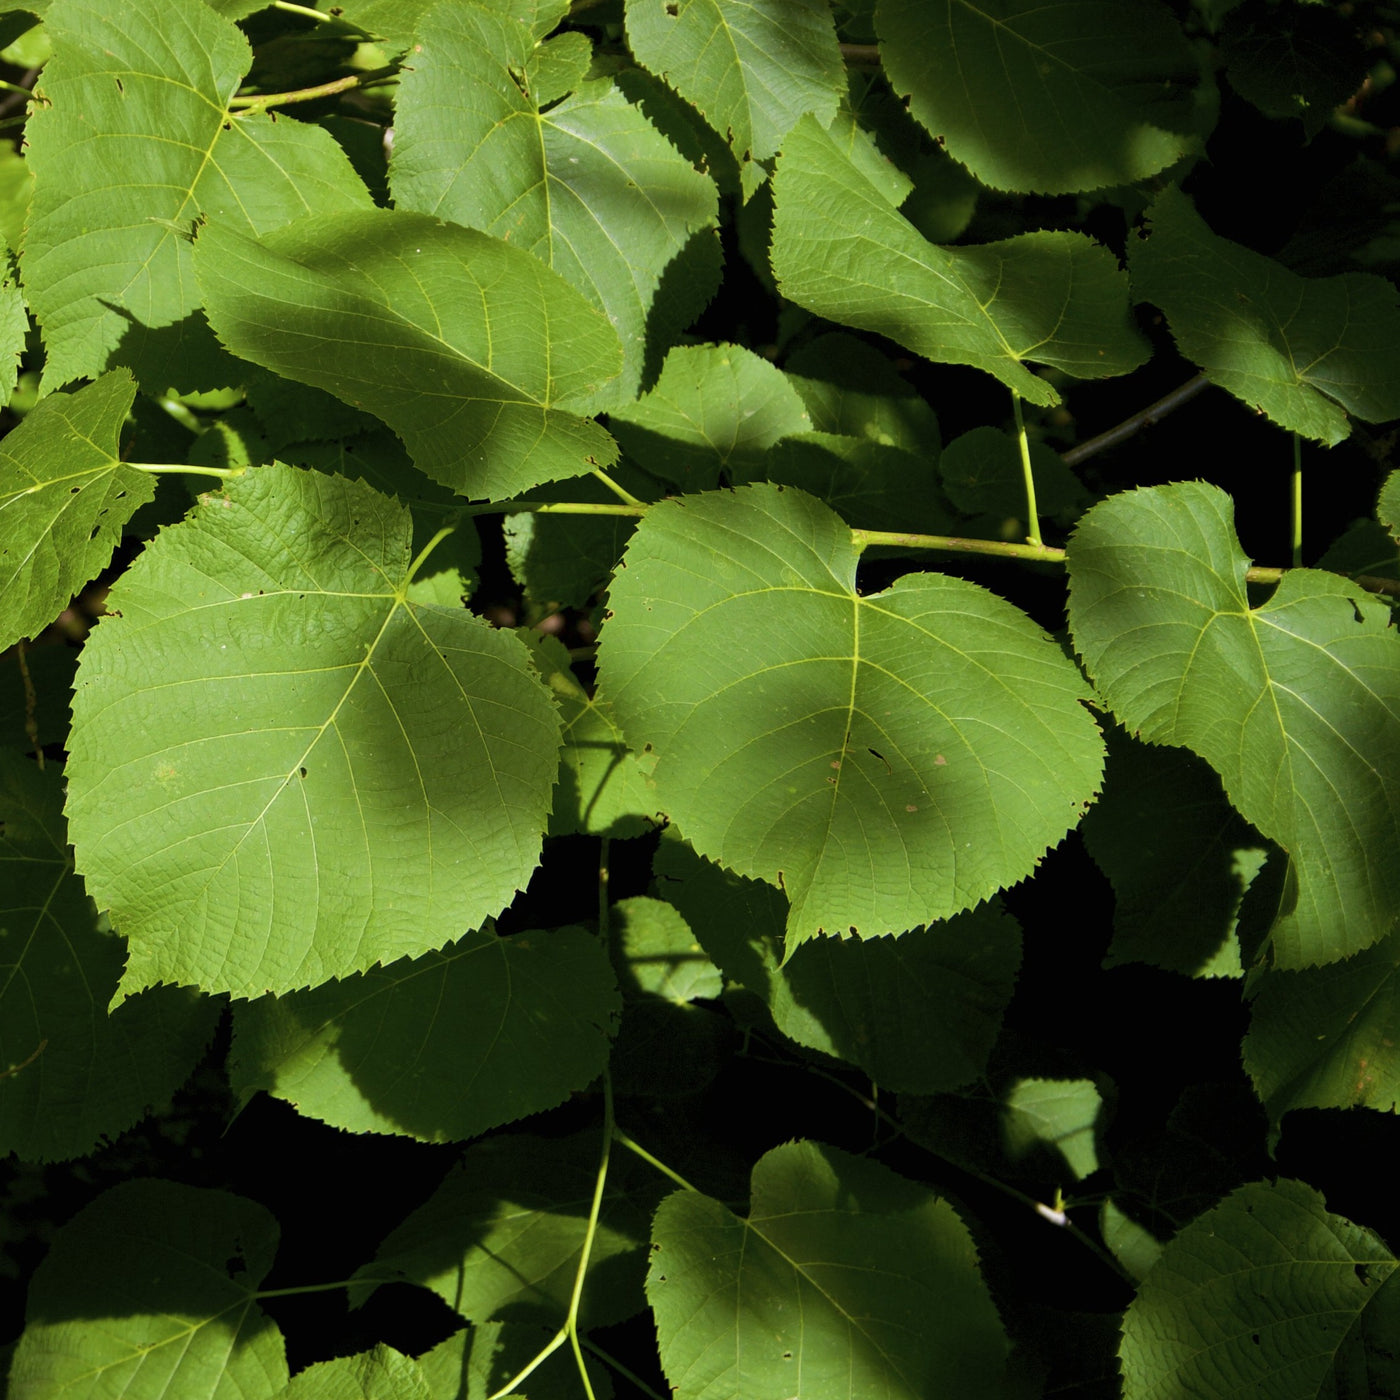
x: 839, y: 250
x: 1325, y: 1037
x: 441, y: 1047
x: 1305, y: 351
x: 65, y: 495
x: 14, y: 328
x: 716, y: 409
x: 35, y: 689
x: 1388, y: 508
x: 69, y: 1073
x: 752, y: 70
x: 982, y: 474
x: 108, y: 276
x: 1089, y: 92
x: 860, y: 752
x: 1266, y: 1295
x: 150, y: 1292
x: 260, y: 817
x: 589, y: 187
x: 472, y: 351
x: 381, y: 1374
x: 501, y: 1236
x: 1179, y: 857
x: 827, y: 1288
x: 656, y: 953
x: 1292, y: 703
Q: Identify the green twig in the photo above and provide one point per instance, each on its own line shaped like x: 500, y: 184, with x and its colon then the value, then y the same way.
x: 302, y: 1288
x: 250, y: 106
x: 1296, y: 510
x: 632, y: 1146
x: 621, y: 492
x: 155, y: 468
x: 427, y: 549
x: 1032, y: 512
x: 553, y: 508
x: 1040, y: 553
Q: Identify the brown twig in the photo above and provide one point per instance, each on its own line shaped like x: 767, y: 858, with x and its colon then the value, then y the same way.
x: 1129, y: 427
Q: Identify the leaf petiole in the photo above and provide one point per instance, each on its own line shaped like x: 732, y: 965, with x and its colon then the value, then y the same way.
x: 1032, y: 512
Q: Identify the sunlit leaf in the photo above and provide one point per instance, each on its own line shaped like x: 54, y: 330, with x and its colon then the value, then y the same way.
x: 381, y: 1374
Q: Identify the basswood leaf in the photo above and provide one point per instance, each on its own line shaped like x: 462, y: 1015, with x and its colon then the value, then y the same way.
x: 474, y: 1363
x: 1091, y: 92
x: 1306, y: 351
x: 474, y: 352
x: 1325, y: 1037
x: 590, y: 187
x: 131, y: 142
x: 380, y: 1374
x: 150, y: 1292
x: 888, y: 760
x: 1268, y: 1294
x: 839, y: 250
x: 656, y: 953
x: 65, y: 495
x: 1388, y: 508
x: 441, y: 1047
x: 69, y: 1073
x: 715, y: 409
x: 982, y: 474
x: 14, y: 327
x: 283, y: 768
x: 1292, y: 703
x: 752, y: 70
x: 501, y: 1236
x: 827, y: 1288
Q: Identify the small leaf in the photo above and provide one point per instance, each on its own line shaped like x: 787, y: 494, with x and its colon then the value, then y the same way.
x: 381, y: 1374
x: 150, y: 1292
x: 1090, y: 92
x: 1388, y: 508
x: 471, y: 350
x: 441, y: 1047
x: 1265, y: 1295
x: 1305, y: 351
x: 827, y: 1288
x: 839, y: 250
x: 656, y: 953
x: 1291, y: 703
x: 982, y: 474
x: 260, y: 816
x: 65, y: 495
x: 857, y: 751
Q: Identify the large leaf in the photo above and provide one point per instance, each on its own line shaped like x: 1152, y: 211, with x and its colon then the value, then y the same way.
x: 1266, y: 1295
x: 1296, y: 704
x: 888, y: 760
x: 283, y: 768
x: 589, y: 186
x: 72, y: 1074
x: 381, y: 1374
x: 840, y: 250
x: 752, y: 70
x: 472, y: 351
x: 831, y: 1286
x: 149, y: 1293
x: 501, y: 1236
x: 1305, y: 351
x: 65, y: 495
x: 131, y: 142
x: 1091, y: 92
x: 441, y: 1047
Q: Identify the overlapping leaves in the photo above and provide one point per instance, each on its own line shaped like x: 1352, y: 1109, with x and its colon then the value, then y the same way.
x: 283, y: 769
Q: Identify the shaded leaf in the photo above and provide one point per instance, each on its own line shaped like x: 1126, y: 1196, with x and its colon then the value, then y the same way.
x: 262, y: 816
x: 826, y: 1288
x: 982, y: 474
x: 149, y: 1292
x: 473, y: 351
x: 656, y: 953
x: 50, y: 670
x: 839, y: 250
x: 1388, y: 509
x: 1306, y: 351
x: 855, y: 750
x: 476, y: 1362
x: 108, y: 275
x: 1291, y: 703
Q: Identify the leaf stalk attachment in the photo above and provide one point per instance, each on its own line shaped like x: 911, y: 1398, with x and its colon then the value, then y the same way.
x: 1032, y: 512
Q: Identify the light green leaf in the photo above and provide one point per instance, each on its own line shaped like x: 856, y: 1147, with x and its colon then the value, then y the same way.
x: 752, y: 70
x: 16, y: 189
x: 69, y: 1073
x: 108, y: 276
x: 398, y: 20
x: 474, y: 1363
x: 839, y: 250
x: 1306, y: 351
x: 148, y: 1293
x: 381, y: 1374
x: 260, y: 816
x: 1062, y: 1114
x: 1179, y: 857
x: 1325, y: 1037
x: 65, y: 495
x: 501, y: 1236
x: 861, y: 752
x: 1292, y: 703
x: 1090, y: 92
x: 442, y: 1047
x: 656, y: 953
x: 473, y: 351
x: 590, y: 187
x: 1388, y: 508
x: 1131, y: 1244
x: 1267, y: 1295
x: 14, y: 327
x: 827, y: 1288
x: 715, y: 409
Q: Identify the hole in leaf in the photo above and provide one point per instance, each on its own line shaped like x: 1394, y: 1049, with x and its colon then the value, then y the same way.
x: 303, y: 772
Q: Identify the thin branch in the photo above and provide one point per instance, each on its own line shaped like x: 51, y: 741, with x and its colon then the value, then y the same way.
x: 953, y: 544
x: 1130, y: 427
x: 250, y: 106
x: 861, y: 55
